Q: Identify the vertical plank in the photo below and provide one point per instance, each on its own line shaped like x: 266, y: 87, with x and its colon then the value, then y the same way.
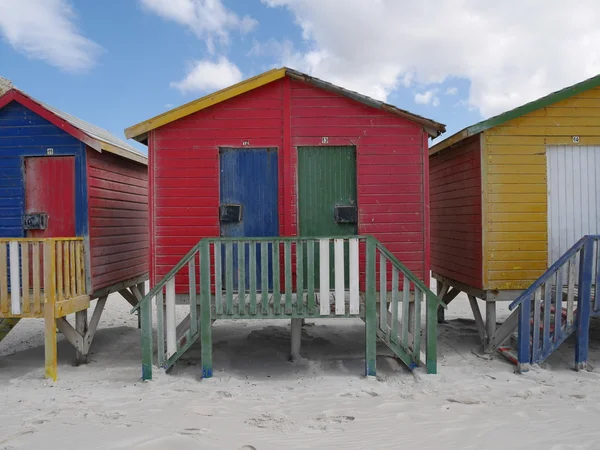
x: 547, y: 311
x: 382, y: 292
x: 584, y: 303
x: 571, y: 291
x: 371, y: 311
x: 59, y: 271
x: 49, y: 310
x: 252, y: 258
x: 340, y: 292
x: 417, y: 329
x: 65, y: 269
x: 15, y: 281
x: 431, y: 330
x: 537, y: 311
x: 324, y: 276
x: 193, y: 296
x: 160, y: 327
x: 276, y: 279
x: 558, y: 292
x: 37, y: 274
x: 288, y: 276
x: 82, y: 277
x: 218, y: 278
x: 300, y: 277
x: 354, y: 277
x: 405, y: 311
x: 264, y: 275
x: 171, y: 324
x: 75, y: 268
x: 205, y: 311
x: 4, y: 306
x: 147, y: 347
x: 393, y: 336
x: 229, y: 277
x: 72, y: 268
x: 25, y: 277
x: 241, y: 248
x: 310, y: 276
x: 597, y: 275
x: 524, y: 349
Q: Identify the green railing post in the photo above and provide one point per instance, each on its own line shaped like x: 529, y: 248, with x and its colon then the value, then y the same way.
x: 370, y: 311
x: 431, y: 330
x: 205, y: 313
x: 146, y: 319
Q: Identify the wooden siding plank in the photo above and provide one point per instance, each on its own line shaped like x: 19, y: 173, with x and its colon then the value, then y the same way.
x: 456, y: 212
x: 118, y: 209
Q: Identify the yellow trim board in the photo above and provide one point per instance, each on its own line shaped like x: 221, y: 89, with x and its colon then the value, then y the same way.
x: 205, y: 102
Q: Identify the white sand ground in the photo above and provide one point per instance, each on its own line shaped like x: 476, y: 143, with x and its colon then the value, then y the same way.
x: 259, y: 400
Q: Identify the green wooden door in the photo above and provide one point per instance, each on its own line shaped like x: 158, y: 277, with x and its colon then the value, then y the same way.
x: 327, y: 196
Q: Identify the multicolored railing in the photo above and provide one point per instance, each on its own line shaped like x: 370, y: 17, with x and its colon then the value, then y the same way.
x: 43, y: 278
x: 559, y: 303
x: 281, y: 278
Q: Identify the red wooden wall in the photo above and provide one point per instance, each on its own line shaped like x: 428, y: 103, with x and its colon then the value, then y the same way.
x: 118, y: 218
x: 391, y: 158
x: 455, y: 186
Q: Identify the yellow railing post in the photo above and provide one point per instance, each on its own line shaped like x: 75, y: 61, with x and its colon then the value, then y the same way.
x: 49, y: 308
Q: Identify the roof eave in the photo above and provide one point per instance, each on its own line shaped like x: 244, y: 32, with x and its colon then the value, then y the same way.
x: 140, y: 130
x: 136, y: 131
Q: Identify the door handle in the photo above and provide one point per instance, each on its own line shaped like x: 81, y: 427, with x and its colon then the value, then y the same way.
x: 345, y: 213
x: 230, y: 213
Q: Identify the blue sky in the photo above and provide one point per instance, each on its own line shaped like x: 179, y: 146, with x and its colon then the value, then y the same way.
x: 117, y: 62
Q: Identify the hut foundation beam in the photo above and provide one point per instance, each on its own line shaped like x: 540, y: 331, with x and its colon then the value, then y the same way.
x: 82, y: 335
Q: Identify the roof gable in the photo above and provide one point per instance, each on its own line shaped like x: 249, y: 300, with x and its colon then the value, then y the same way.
x: 91, y: 135
x: 515, y: 113
x: 139, y: 131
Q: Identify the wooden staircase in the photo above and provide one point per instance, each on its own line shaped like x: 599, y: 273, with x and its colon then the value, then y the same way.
x: 534, y: 330
x: 282, y: 278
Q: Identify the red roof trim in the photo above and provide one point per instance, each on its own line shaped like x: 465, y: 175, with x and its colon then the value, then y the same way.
x: 27, y: 102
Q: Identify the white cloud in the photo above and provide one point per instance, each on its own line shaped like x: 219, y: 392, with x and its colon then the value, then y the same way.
x: 427, y: 97
x: 45, y: 30
x: 452, y: 91
x: 376, y: 46
x: 209, y: 20
x: 207, y: 75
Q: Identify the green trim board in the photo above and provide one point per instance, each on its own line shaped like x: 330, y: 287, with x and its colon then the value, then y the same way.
x: 515, y: 113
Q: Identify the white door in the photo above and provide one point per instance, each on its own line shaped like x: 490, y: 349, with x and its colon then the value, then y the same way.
x: 573, y: 196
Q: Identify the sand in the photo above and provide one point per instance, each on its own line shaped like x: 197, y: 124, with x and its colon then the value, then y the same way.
x: 259, y: 400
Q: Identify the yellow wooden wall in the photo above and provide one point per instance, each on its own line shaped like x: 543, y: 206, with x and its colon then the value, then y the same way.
x: 514, y: 180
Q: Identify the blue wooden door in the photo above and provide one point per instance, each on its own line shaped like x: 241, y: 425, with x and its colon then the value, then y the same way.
x: 249, y: 208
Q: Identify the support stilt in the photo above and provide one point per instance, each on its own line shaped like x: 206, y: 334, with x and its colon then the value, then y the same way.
x: 490, y: 320
x: 296, y: 339
x: 81, y: 326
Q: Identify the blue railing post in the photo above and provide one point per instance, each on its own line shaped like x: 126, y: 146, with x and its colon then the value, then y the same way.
x: 584, y: 303
x: 524, y: 347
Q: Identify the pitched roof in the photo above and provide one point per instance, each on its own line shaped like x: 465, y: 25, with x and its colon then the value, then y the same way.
x: 139, y: 131
x: 527, y: 108
x: 96, y: 137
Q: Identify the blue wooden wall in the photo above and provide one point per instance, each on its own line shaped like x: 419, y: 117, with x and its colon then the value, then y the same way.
x: 24, y: 133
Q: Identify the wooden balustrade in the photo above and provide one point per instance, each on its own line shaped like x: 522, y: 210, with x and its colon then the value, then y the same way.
x: 26, y: 265
x: 293, y: 278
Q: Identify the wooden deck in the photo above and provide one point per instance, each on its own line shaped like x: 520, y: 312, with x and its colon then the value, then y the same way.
x: 43, y: 279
